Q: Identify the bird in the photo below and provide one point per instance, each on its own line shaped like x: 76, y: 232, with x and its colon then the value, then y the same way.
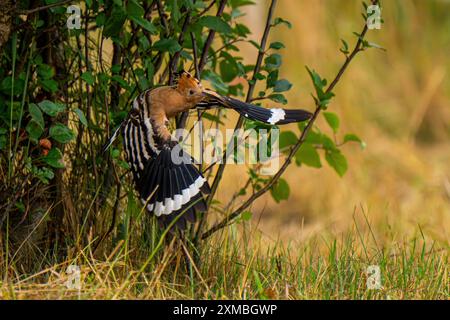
x: 174, y: 191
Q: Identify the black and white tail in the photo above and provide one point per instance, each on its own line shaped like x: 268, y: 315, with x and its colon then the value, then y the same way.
x: 274, y: 116
x: 271, y: 116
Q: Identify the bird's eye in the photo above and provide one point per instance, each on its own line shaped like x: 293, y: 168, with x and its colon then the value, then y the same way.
x: 191, y: 92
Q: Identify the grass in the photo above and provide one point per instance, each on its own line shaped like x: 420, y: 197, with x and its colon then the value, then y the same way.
x: 233, y: 266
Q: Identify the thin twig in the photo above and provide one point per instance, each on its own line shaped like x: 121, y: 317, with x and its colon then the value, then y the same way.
x: 174, y: 61
x: 206, y: 9
x: 210, y: 37
x: 181, y: 121
x: 195, y: 52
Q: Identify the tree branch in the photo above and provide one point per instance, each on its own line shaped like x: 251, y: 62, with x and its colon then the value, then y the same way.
x: 240, y: 121
x: 52, y: 5
x: 250, y: 91
x: 358, y: 48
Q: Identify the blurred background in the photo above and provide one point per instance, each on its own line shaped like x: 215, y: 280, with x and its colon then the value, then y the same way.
x: 397, y: 101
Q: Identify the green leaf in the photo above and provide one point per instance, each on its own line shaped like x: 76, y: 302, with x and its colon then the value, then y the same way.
x: 34, y: 130
x: 61, y: 133
x: 246, y: 216
x: 51, y: 108
x: 36, y: 114
x: 278, y: 21
x: 239, y: 3
x: 115, y: 153
x: 100, y: 19
x: 308, y: 155
x: 170, y: 45
x: 19, y: 205
x: 277, y: 45
x: 175, y: 10
x: 120, y: 81
x: 287, y: 139
x: 282, y: 85
x: 272, y: 78
x: 6, y: 85
x: 88, y: 77
x: 81, y: 116
x: 44, y: 174
x: 114, y: 23
x: 337, y: 161
x: 136, y: 14
x: 328, y: 143
x: 273, y: 61
x: 123, y: 164
x: 54, y: 158
x: 134, y: 9
x: 350, y: 137
x: 278, y: 97
x: 280, y: 191
x: 242, y: 30
x: 344, y: 48
x: 49, y: 85
x: 323, y: 98
x: 332, y: 120
x: 215, y: 23
x: 45, y: 71
x: 228, y: 69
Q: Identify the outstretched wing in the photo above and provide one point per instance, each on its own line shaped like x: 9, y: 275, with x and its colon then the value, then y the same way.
x: 169, y: 186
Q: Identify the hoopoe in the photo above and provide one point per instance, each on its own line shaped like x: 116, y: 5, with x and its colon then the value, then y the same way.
x: 168, y: 189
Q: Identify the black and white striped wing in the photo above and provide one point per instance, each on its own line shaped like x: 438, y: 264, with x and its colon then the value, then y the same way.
x: 169, y: 188
x: 166, y: 187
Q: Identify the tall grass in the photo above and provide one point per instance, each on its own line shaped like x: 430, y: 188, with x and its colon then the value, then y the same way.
x: 233, y: 266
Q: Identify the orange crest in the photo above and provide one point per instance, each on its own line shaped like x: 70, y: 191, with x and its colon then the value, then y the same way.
x: 187, y: 81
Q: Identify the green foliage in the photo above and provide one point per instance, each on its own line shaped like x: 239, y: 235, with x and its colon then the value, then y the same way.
x: 332, y: 120
x: 337, y: 161
x: 51, y: 108
x: 54, y: 158
x: 280, y: 191
x: 308, y: 156
x: 61, y: 133
x: 322, y: 98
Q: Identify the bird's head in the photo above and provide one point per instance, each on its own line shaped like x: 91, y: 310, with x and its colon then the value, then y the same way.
x: 190, y: 87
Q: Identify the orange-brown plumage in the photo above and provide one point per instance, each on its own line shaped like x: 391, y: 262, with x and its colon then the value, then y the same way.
x: 166, y: 102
